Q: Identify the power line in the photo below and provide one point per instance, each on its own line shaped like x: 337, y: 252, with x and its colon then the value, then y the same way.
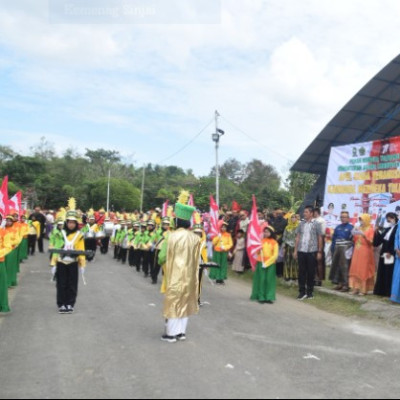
x: 255, y: 140
x: 187, y: 144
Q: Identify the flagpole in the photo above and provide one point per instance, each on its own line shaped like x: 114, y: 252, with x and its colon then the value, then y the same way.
x: 108, y: 191
x: 142, y: 196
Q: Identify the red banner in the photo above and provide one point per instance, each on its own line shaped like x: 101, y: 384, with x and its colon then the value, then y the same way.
x: 214, y: 217
x: 165, y: 209
x: 4, y: 197
x: 254, y: 242
x: 15, y: 203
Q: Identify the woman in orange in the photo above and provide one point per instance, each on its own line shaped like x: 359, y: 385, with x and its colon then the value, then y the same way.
x: 12, y: 259
x: 24, y: 231
x: 5, y: 248
x: 264, y: 279
x: 362, y: 270
x: 222, y: 245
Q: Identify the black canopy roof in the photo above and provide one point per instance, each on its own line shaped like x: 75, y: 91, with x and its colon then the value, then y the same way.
x: 372, y: 114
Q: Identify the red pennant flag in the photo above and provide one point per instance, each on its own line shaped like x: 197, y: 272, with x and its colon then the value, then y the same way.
x: 254, y: 242
x: 191, y: 203
x: 4, y: 197
x: 236, y: 206
x: 15, y: 203
x: 165, y: 209
x: 214, y: 217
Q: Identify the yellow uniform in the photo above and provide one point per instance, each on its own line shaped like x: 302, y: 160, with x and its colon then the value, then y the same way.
x: 34, y: 228
x: 223, y: 242
x: 5, y: 245
x: 270, y: 252
x: 5, y: 248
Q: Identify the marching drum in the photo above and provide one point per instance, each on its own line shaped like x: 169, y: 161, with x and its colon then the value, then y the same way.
x: 108, y: 228
x: 90, y: 235
x: 100, y: 235
x: 125, y: 243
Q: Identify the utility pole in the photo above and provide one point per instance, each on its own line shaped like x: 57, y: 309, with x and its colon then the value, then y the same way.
x: 142, y: 197
x: 216, y: 137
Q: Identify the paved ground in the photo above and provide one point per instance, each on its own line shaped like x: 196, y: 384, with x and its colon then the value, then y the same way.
x: 111, y: 348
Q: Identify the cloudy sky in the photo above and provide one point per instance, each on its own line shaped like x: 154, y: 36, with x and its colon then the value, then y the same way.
x: 145, y: 77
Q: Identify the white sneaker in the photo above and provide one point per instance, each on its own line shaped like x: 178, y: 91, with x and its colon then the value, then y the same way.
x: 169, y: 339
x: 62, y: 310
x: 70, y: 309
x: 181, y: 337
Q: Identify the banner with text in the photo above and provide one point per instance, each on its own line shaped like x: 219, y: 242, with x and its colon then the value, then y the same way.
x: 363, y: 178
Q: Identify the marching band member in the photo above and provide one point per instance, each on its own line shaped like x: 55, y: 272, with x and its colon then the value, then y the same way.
x: 5, y: 248
x: 68, y: 266
x: 161, y: 236
x: 89, y: 231
x: 222, y: 245
x: 264, y: 279
x: 131, y: 238
x: 12, y: 259
x: 23, y: 255
x: 181, y: 255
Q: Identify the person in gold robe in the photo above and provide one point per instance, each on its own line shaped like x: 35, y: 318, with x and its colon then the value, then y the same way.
x: 181, y: 256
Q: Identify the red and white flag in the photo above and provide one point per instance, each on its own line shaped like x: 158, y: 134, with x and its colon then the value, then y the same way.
x: 4, y: 197
x: 15, y: 203
x: 254, y: 242
x: 165, y: 209
x: 214, y: 217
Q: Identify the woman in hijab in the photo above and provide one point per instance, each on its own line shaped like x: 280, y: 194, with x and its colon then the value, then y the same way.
x: 291, y: 266
x: 362, y: 269
x: 386, y: 238
x: 395, y: 296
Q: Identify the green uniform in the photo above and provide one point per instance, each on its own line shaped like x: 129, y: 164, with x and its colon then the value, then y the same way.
x: 264, y: 283
x: 12, y: 266
x: 4, y: 306
x: 23, y: 250
x: 220, y: 274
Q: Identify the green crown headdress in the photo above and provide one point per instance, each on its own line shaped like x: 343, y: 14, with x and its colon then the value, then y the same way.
x: 182, y: 210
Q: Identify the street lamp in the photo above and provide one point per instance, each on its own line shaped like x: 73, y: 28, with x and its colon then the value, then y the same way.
x: 216, y: 137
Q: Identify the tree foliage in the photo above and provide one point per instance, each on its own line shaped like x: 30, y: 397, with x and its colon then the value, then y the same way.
x: 49, y: 180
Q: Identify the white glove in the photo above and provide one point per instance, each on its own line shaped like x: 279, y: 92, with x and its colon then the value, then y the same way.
x: 83, y: 276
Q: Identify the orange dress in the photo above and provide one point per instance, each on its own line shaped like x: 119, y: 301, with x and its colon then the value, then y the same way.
x: 362, y: 269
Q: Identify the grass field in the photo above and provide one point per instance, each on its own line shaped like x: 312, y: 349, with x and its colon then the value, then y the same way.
x: 323, y: 301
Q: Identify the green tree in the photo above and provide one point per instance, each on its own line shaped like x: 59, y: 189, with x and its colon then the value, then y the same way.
x: 102, y: 159
x: 44, y: 149
x: 123, y: 195
x: 231, y: 169
x: 6, y: 154
x: 24, y: 170
x: 299, y: 184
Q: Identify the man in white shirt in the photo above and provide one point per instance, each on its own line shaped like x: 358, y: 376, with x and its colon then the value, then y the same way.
x: 308, y: 251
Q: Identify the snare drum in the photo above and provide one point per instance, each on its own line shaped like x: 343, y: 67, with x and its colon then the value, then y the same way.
x: 108, y: 228
x: 100, y: 235
x: 90, y: 235
x: 125, y: 243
